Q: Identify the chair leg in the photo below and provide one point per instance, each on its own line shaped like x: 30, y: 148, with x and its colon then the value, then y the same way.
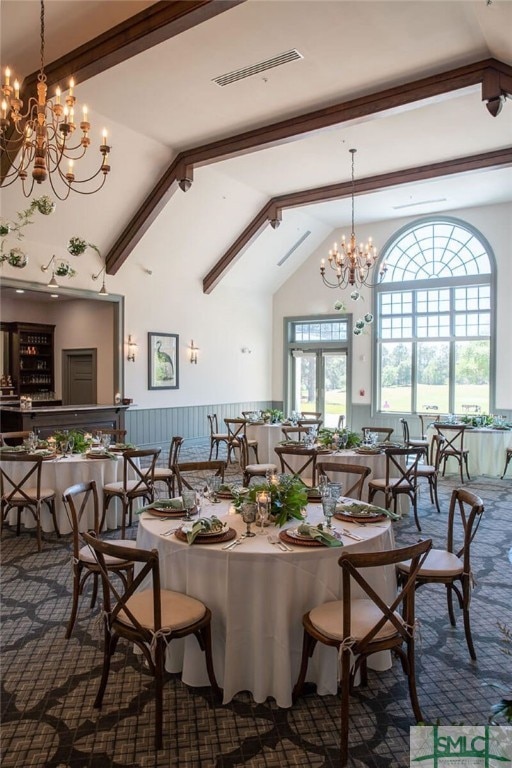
x: 159, y: 684
x: 50, y: 503
x: 415, y: 509
x: 436, y: 497
x: 466, y: 465
x: 74, y: 607
x: 308, y: 646
x: 95, y: 579
x: 509, y: 456
x: 449, y: 598
x: 411, y: 679
x: 460, y: 467
x: 345, y: 704
x: 466, y: 596
x: 109, y: 646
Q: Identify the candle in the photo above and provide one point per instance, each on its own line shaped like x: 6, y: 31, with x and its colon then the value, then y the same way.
x: 7, y: 76
x: 16, y: 89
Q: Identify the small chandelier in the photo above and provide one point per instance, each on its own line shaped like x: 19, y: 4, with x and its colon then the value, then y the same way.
x: 352, y: 263
x: 42, y: 137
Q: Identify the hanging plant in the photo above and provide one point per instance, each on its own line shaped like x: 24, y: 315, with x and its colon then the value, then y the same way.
x: 64, y: 269
x: 17, y: 258
x: 77, y: 246
x: 44, y: 205
x: 5, y: 228
x: 339, y: 306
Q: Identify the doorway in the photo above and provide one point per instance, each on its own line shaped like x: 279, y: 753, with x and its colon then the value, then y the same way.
x: 320, y: 383
x: 79, y: 377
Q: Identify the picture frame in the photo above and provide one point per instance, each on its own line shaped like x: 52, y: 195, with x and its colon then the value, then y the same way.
x: 163, y: 361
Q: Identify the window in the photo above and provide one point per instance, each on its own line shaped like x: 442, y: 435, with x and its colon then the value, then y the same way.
x: 434, y: 314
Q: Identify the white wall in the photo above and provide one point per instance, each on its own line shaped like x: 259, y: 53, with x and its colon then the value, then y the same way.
x: 305, y: 294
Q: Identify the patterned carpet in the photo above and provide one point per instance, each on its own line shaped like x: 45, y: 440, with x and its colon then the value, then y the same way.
x: 49, y: 684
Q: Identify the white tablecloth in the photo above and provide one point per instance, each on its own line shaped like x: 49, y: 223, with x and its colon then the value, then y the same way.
x: 59, y: 474
x: 487, y: 451
x: 258, y: 595
x: 268, y: 436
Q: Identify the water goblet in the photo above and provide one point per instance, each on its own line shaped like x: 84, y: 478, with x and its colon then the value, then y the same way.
x: 214, y: 483
x: 263, y: 503
x: 69, y: 445
x: 248, y: 511
x: 189, y: 502
x: 343, y: 440
x: 329, y: 508
x: 335, y: 490
x: 105, y: 440
x: 323, y: 486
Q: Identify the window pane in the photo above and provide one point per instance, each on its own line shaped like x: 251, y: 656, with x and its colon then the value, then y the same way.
x: 433, y: 374
x: 472, y: 376
x: 396, y: 377
x: 305, y: 383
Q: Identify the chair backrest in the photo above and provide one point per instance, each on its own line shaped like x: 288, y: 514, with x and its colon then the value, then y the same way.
x: 405, y: 429
x: 426, y: 421
x: 12, y: 490
x: 174, y: 451
x: 386, y: 432
x: 402, y: 475
x: 294, y: 433
x: 311, y: 415
x: 244, y: 452
x: 352, y: 564
x: 453, y: 437
x: 355, y: 491
x: 13, y: 438
x: 235, y: 427
x: 196, y: 472
x: 116, y: 593
x: 118, y: 434
x: 144, y: 476
x: 77, y: 499
x: 436, y: 449
x: 310, y: 423
x: 214, y: 423
x: 341, y: 421
x: 467, y: 508
x: 306, y: 461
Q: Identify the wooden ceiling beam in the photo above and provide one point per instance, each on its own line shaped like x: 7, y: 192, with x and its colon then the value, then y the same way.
x: 397, y: 98
x: 272, y: 211
x: 155, y: 24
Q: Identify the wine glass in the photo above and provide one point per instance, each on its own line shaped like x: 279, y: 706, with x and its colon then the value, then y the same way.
x: 189, y: 503
x: 69, y: 445
x: 335, y: 490
x: 343, y: 440
x: 214, y: 483
x: 329, y: 508
x: 248, y: 511
x: 323, y: 486
x: 105, y: 440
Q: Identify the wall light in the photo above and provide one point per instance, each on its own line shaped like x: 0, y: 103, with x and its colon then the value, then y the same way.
x: 103, y: 290
x: 132, y: 349
x: 193, y: 352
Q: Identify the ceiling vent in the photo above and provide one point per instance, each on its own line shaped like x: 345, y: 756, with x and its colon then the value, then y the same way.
x: 294, y: 247
x: 255, y: 69
x: 421, y: 202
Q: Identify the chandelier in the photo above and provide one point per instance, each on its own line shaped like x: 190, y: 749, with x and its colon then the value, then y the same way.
x: 351, y: 263
x: 39, y: 141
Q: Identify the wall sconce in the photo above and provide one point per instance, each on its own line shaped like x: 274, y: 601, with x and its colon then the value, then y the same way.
x: 245, y: 350
x: 103, y: 291
x: 53, y: 282
x: 193, y: 352
x: 132, y: 349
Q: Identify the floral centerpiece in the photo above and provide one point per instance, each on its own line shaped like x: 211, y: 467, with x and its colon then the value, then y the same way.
x: 273, y: 415
x: 81, y: 440
x: 483, y: 420
x: 334, y: 438
x: 288, y: 497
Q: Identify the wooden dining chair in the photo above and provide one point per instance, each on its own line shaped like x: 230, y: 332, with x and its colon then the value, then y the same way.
x: 430, y: 472
x: 238, y: 428
x: 354, y: 491
x: 26, y: 493
x: 413, y: 442
x: 191, y: 475
x: 128, y: 490
x: 167, y: 474
x: 216, y: 438
x: 384, y: 433
x: 401, y: 478
x: 303, y: 462
x: 361, y: 626
x: 507, y: 461
x: 252, y: 470
x: 311, y: 415
x: 427, y: 420
x: 310, y: 423
x: 148, y: 616
x: 452, y: 566
x: 453, y: 446
x: 117, y: 435
x: 13, y: 438
x: 294, y: 433
x: 78, y: 500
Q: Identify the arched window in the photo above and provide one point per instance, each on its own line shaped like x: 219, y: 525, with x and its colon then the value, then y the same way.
x: 435, y: 313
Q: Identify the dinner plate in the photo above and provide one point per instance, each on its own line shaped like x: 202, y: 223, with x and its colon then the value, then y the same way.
x: 290, y: 536
x: 219, y: 538
x: 224, y: 495
x: 368, y: 451
x: 294, y: 534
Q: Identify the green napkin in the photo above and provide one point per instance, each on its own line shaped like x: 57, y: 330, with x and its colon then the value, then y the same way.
x: 163, y: 504
x: 203, y: 525
x: 13, y: 449
x: 319, y: 533
x: 363, y: 509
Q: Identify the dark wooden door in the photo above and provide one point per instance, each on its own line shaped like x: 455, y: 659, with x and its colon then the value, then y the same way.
x: 79, y: 383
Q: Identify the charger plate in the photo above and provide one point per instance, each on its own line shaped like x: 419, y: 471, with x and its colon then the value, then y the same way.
x: 208, y: 538
x: 224, y: 495
x: 359, y: 515
x: 96, y: 456
x: 371, y: 452
x: 301, y: 541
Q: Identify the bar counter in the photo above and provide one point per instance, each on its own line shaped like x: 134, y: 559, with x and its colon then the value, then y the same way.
x: 47, y: 419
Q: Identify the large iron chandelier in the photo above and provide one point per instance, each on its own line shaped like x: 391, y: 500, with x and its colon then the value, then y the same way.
x: 351, y: 263
x: 39, y: 140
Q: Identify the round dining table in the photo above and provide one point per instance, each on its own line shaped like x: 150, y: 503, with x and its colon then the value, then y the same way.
x: 258, y: 594
x: 487, y: 449
x: 59, y: 474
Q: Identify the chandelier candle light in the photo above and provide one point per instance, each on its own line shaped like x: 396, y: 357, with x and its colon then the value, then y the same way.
x: 352, y: 263
x: 42, y: 136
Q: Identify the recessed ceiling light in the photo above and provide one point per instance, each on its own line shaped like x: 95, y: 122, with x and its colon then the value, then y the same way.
x: 20, y: 290
x: 54, y: 295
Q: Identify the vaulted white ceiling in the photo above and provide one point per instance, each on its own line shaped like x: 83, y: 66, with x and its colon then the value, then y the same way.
x: 164, y: 101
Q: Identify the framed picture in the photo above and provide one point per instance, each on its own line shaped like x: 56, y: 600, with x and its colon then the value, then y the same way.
x: 163, y: 361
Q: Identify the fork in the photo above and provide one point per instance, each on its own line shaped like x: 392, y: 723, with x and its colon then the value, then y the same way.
x: 282, y: 546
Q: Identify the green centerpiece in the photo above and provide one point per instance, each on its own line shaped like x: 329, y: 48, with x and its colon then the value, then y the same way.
x: 332, y: 438
x: 288, y: 497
